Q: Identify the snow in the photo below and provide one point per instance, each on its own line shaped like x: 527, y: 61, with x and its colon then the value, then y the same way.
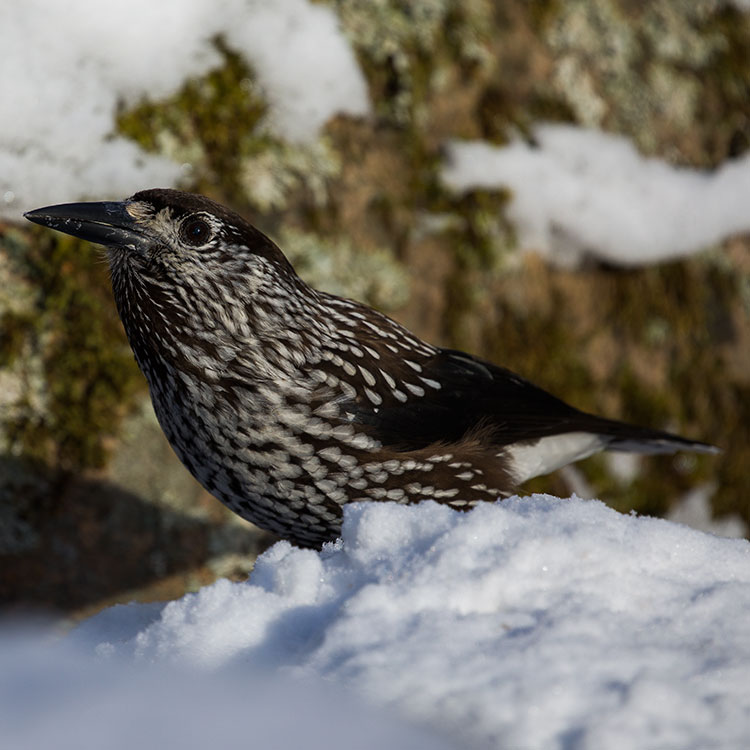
x: 579, y: 192
x: 531, y: 623
x: 694, y: 509
x: 68, y: 65
x: 58, y: 698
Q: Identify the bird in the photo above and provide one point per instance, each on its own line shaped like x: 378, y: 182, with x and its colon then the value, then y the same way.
x: 287, y: 403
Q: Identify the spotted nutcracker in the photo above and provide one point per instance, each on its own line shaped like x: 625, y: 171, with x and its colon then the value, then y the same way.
x: 286, y: 402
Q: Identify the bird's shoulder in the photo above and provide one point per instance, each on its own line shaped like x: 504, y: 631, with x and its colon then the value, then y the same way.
x: 408, y: 394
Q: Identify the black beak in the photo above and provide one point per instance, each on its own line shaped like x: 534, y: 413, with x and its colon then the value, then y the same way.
x: 106, y: 223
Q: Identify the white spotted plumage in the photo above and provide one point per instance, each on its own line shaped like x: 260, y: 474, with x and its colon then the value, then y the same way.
x: 287, y: 403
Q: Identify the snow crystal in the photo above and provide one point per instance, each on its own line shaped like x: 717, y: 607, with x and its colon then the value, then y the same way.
x: 531, y: 623
x: 579, y: 192
x: 67, y: 66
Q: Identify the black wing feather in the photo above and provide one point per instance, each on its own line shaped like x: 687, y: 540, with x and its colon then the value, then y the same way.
x: 478, y: 395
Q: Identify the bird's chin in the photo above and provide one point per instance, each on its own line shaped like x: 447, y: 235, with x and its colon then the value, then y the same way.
x: 125, y: 264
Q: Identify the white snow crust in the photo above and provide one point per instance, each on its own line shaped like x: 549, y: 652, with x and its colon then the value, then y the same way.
x: 579, y: 193
x: 531, y: 623
x: 67, y: 67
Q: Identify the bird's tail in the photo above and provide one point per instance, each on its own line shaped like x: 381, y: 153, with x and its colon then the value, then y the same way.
x: 587, y: 435
x: 647, y: 441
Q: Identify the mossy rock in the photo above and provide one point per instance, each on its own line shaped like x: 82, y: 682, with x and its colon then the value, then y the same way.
x: 666, y: 346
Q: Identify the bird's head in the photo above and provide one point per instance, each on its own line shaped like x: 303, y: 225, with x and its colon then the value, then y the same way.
x: 183, y: 265
x: 167, y: 235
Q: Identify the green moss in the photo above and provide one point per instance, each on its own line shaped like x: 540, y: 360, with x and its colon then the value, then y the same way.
x: 671, y: 76
x: 73, y: 339
x: 212, y: 123
x: 481, y: 239
x: 538, y: 345
x: 217, y: 126
x: 15, y: 328
x: 268, y: 177
x: 669, y: 323
x: 725, y: 92
x: 404, y: 47
x: 335, y: 266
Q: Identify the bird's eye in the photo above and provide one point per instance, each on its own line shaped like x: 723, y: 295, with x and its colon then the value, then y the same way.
x: 195, y: 232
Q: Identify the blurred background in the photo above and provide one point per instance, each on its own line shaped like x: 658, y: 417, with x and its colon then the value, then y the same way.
x: 560, y: 187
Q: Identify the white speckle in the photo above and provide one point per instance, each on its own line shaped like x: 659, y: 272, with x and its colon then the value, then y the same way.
x: 372, y: 352
x: 465, y: 476
x: 327, y: 410
x: 388, y: 379
x: 361, y: 441
x: 331, y: 453
x: 347, y: 462
x: 315, y: 469
x: 415, y: 389
x: 312, y: 494
x: 414, y: 366
x: 431, y: 383
x: 399, y: 395
x: 317, y: 427
x: 347, y: 389
x: 369, y: 378
x: 443, y: 457
x: 445, y: 493
x: 342, y: 432
x: 374, y: 397
x: 326, y: 485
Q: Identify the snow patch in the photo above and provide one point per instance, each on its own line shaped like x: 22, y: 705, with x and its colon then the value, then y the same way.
x: 694, y: 510
x: 67, y: 66
x: 530, y: 623
x: 579, y: 193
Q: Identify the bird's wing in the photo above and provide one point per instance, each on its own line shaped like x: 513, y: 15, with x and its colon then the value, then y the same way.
x: 476, y: 395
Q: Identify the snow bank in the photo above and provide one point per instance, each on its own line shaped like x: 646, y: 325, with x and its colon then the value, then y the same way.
x: 583, y: 192
x: 67, y: 65
x: 531, y: 623
x: 57, y: 698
